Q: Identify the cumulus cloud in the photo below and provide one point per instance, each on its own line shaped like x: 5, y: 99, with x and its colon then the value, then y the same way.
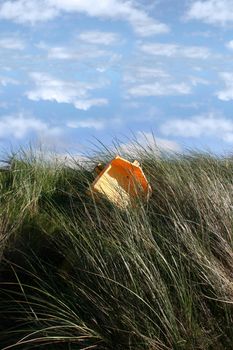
x: 194, y: 80
x: 88, y: 54
x: 18, y: 126
x: 49, y: 88
x: 32, y: 11
x: 152, y: 80
x: 141, y: 22
x: 200, y: 126
x: 143, y: 81
x: 148, y: 140
x: 87, y: 123
x: 87, y: 103
x: 227, y: 93
x: 70, y: 160
x: 61, y: 53
x: 167, y: 145
x: 211, y: 11
x: 174, y: 50
x: 138, y: 74
x: 99, y: 37
x: 94, y: 123
x: 28, y: 11
x: 161, y: 88
x: 229, y: 45
x: 68, y: 53
x: 11, y: 43
x: 4, y: 81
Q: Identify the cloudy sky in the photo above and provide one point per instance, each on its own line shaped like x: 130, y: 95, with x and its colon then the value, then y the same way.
x: 75, y: 70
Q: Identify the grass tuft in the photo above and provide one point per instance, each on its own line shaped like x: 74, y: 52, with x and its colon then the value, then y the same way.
x: 77, y: 273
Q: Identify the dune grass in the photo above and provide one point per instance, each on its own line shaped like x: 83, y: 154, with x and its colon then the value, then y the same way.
x: 82, y: 274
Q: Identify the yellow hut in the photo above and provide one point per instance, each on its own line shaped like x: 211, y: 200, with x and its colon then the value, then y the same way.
x: 121, y: 182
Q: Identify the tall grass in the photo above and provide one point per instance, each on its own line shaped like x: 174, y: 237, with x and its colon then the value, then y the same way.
x: 80, y: 273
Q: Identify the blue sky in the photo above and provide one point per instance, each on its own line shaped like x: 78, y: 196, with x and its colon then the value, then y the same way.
x: 76, y: 70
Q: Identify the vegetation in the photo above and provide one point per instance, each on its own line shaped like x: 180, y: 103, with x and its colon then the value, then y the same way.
x: 77, y: 273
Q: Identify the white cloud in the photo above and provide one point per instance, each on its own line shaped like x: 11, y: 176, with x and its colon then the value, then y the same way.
x: 227, y: 93
x: 87, y: 103
x: 167, y: 145
x: 70, y: 160
x: 99, y: 38
x: 198, y: 80
x: 142, y: 81
x: 67, y: 53
x: 28, y: 11
x: 161, y: 88
x: 18, y: 126
x: 229, y: 45
x: 218, y: 12
x: 93, y: 123
x: 84, y: 53
x: 149, y: 141
x: 137, y: 74
x: 61, y: 53
x: 87, y: 123
x: 4, y: 81
x: 152, y: 80
x: 143, y: 24
x: 229, y: 137
x: 32, y: 11
x: 76, y: 93
x: 174, y: 50
x: 200, y: 126
x: 11, y: 43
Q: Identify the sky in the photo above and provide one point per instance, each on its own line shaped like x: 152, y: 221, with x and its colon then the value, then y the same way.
x: 76, y: 71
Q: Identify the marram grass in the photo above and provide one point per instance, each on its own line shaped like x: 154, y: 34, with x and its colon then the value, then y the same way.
x: 77, y: 273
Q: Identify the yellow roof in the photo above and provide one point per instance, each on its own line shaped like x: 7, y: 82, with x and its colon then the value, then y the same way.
x: 121, y: 181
